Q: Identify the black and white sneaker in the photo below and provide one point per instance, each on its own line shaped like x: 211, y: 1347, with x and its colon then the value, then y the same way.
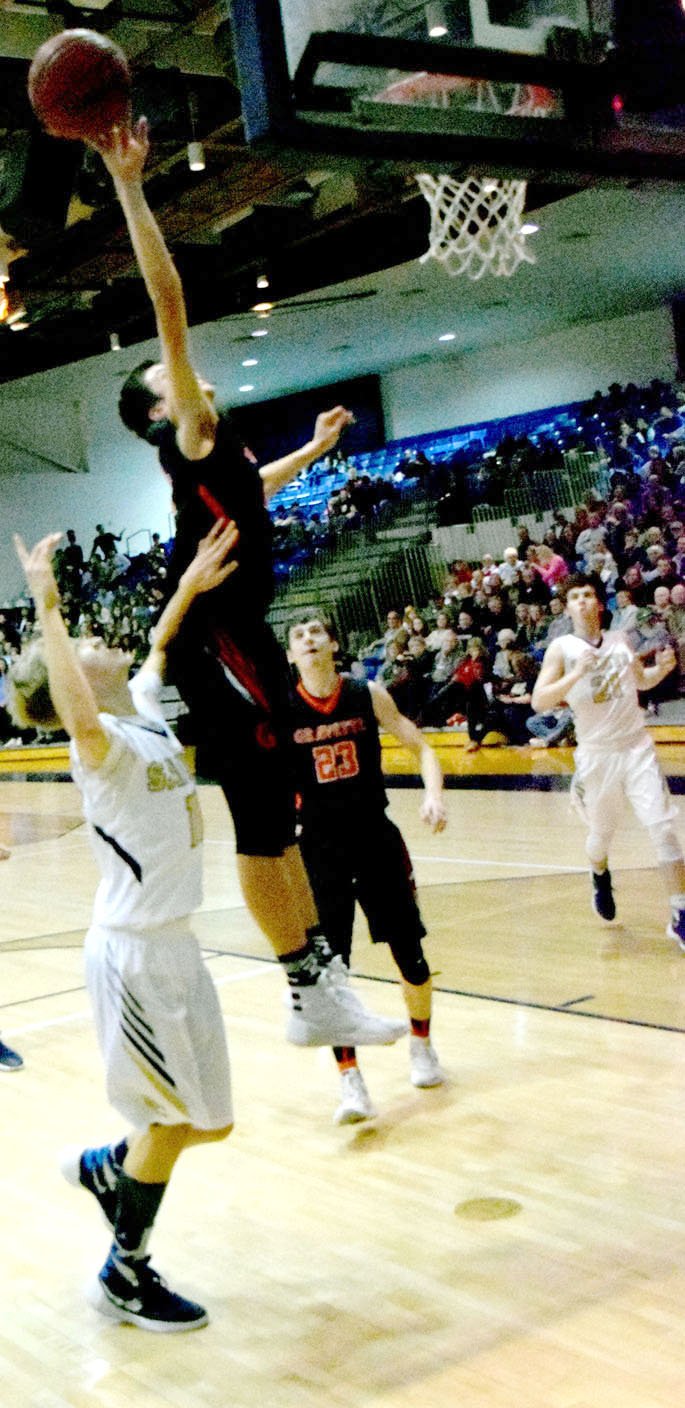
x: 603, y: 901
x: 132, y: 1293
x: 10, y: 1060
x: 329, y: 1013
x: 676, y: 928
x: 98, y: 1171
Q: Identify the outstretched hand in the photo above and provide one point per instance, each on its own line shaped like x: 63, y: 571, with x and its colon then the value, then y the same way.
x: 124, y: 151
x: 37, y: 565
x: 209, y: 567
x: 329, y: 427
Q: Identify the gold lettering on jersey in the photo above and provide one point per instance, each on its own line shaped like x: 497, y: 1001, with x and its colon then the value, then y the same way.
x: 194, y: 820
x: 165, y: 776
x: 606, y: 683
x: 320, y: 733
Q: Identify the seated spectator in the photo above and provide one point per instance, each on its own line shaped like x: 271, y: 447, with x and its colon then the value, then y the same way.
x: 435, y: 638
x: 502, y: 667
x: 447, y: 657
x: 495, y: 616
x: 625, y: 615
x: 522, y: 625
x: 510, y: 567
x: 393, y: 668
x: 511, y: 705
x: 550, y: 565
x: 410, y: 687
x: 639, y: 590
x: 531, y: 586
x: 675, y: 623
x: 462, y: 694
x: 465, y: 628
x: 603, y: 565
x: 589, y: 540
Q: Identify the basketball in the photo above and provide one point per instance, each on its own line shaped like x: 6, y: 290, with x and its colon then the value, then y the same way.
x: 80, y: 85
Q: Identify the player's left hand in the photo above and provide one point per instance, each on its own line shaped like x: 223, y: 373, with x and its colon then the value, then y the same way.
x: 37, y: 565
x: 433, y: 813
x: 329, y: 427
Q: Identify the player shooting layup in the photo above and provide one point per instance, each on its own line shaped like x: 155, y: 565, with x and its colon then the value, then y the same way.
x: 226, y: 662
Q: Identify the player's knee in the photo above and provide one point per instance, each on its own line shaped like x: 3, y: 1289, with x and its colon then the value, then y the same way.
x: 411, y: 961
x: 210, y: 1136
x: 666, y: 844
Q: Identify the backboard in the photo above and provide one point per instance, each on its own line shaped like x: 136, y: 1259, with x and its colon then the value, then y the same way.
x: 582, y: 88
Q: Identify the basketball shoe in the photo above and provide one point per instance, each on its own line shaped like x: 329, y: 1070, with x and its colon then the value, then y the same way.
x: 603, y: 901
x: 10, y: 1060
x: 329, y: 1013
x: 676, y: 928
x: 424, y: 1066
x: 131, y: 1292
x: 97, y: 1170
x: 355, y: 1101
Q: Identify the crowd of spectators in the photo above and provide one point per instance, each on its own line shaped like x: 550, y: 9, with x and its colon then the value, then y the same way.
x: 472, y: 655
x: 105, y: 593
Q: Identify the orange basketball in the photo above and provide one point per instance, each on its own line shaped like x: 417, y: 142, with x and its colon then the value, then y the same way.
x: 80, y: 85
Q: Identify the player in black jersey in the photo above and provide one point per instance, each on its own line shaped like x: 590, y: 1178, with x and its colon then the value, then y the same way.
x: 226, y: 662
x: 351, y: 849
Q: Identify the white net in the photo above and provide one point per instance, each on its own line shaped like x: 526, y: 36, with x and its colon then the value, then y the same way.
x: 476, y: 225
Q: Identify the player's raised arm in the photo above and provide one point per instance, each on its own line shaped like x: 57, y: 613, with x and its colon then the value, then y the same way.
x: 327, y: 431
x: 392, y: 721
x: 71, y: 694
x: 124, y: 153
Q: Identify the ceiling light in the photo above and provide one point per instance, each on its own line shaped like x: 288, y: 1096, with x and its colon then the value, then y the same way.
x: 196, y: 156
x: 436, y: 19
x: 530, y: 228
x: 247, y: 387
x: 19, y: 327
x: 251, y: 362
x: 263, y: 281
x: 447, y: 337
x: 259, y: 332
x: 261, y: 307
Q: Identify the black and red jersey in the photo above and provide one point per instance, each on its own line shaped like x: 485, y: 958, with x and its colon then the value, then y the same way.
x: 337, y: 755
x: 223, y: 484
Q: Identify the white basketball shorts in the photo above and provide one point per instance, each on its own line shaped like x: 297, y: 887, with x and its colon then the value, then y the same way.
x: 159, y: 1026
x: 604, y: 780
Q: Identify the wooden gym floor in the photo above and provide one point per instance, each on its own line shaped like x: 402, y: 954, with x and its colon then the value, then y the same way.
x: 514, y: 1239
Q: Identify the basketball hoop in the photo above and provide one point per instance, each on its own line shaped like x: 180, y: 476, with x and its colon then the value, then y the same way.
x: 476, y: 225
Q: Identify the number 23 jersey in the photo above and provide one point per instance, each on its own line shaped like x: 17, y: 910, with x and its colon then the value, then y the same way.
x: 337, y: 756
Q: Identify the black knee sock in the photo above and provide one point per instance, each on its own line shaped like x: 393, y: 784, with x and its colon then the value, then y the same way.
x: 137, y: 1207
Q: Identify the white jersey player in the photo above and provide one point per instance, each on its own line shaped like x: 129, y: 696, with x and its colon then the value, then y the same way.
x: 158, y: 1018
x: 598, y: 675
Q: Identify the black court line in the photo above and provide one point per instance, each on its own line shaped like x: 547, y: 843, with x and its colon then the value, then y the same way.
x: 543, y: 1007
x: 510, y: 782
x: 564, y: 1008
x: 573, y: 1001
